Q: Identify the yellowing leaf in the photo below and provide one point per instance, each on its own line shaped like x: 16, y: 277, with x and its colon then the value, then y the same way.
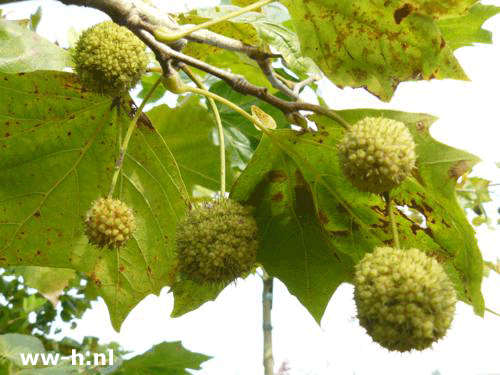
x: 377, y: 45
x: 263, y: 117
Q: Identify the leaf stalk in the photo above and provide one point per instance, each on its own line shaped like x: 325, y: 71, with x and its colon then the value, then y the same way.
x: 220, y: 130
x: 128, y: 136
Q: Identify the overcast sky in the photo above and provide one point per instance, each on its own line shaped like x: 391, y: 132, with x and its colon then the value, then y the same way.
x: 230, y: 328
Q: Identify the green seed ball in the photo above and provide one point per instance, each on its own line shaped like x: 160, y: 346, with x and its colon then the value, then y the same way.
x: 109, y: 223
x: 404, y: 298
x: 377, y: 154
x: 109, y: 58
x: 216, y: 242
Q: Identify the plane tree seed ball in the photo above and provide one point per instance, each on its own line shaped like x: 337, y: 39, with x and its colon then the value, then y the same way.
x: 404, y: 298
x: 377, y: 154
x: 216, y: 242
x: 109, y: 223
x: 109, y: 58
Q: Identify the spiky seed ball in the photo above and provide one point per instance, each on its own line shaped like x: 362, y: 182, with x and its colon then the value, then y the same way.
x: 109, y: 58
x: 109, y: 223
x: 216, y: 242
x: 404, y: 298
x: 377, y: 154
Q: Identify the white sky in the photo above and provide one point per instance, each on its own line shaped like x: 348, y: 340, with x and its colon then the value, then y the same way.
x: 230, y: 329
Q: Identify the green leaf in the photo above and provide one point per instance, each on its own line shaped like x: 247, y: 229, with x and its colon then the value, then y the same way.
x: 35, y: 19
x: 22, y: 50
x: 45, y: 279
x: 59, y: 144
x: 147, y: 82
x: 466, y: 30
x: 63, y: 368
x: 241, y: 3
x: 33, y: 302
x: 473, y: 192
x: 188, y: 296
x: 188, y: 129
x: 5, y: 365
x: 167, y: 358
x: 14, y: 344
x: 231, y: 28
x: 376, y: 45
x: 315, y: 226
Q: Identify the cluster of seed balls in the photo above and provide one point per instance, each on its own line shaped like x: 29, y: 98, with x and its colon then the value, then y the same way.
x: 109, y: 223
x: 404, y: 298
x: 216, y: 242
x: 109, y: 58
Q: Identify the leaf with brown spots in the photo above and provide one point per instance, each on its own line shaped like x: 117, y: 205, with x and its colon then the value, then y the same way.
x: 377, y: 45
x: 322, y: 226
x: 294, y: 246
x: 49, y: 179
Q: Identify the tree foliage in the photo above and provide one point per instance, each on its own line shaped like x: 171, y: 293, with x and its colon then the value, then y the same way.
x: 60, y: 148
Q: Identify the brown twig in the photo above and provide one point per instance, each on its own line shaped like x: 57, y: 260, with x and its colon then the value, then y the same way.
x: 143, y: 19
x: 236, y: 82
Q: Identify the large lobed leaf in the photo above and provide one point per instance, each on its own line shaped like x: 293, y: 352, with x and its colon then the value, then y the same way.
x: 58, y: 149
x: 378, y: 44
x: 315, y: 226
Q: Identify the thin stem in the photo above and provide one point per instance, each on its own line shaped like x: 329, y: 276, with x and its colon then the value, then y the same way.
x: 128, y: 135
x: 220, y: 130
x: 390, y: 208
x: 228, y: 103
x: 491, y: 311
x: 267, y: 304
x: 170, y: 37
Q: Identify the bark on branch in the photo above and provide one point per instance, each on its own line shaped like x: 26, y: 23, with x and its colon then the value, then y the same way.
x: 143, y: 19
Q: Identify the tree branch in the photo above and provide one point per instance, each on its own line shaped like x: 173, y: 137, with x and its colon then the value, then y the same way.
x: 267, y: 69
x: 134, y: 14
x: 236, y: 82
x: 144, y: 20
